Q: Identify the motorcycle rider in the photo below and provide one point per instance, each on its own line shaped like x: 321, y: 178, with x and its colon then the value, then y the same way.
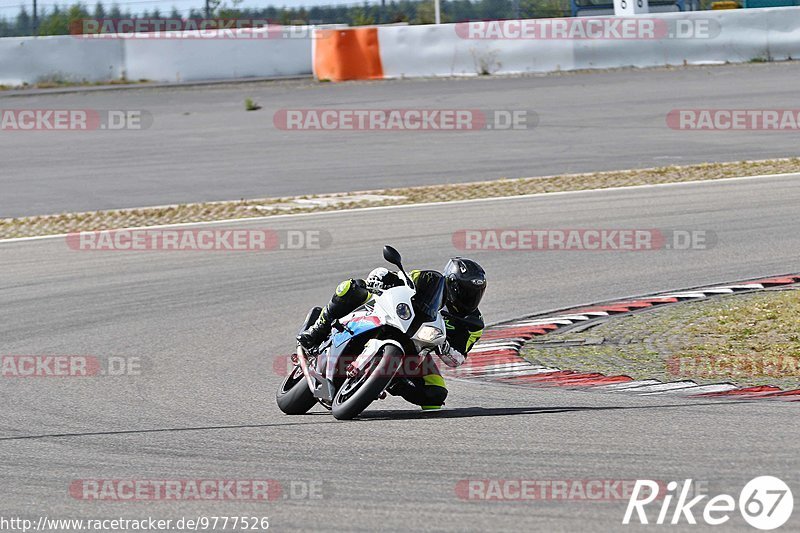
x: 465, y: 283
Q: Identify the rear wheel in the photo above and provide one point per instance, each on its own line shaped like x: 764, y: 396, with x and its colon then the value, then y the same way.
x: 357, y: 393
x: 294, y: 397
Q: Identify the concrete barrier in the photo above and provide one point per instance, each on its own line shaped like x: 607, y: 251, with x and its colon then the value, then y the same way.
x: 29, y: 59
x: 451, y: 50
x: 248, y: 53
x: 401, y: 51
x: 244, y: 53
x: 424, y: 51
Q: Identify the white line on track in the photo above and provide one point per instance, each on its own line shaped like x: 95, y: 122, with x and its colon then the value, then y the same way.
x: 430, y: 204
x: 703, y: 389
x: 519, y: 373
x: 627, y: 385
x: 498, y: 368
x: 661, y: 387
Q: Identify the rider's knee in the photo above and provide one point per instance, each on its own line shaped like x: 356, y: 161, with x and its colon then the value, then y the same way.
x: 351, y: 291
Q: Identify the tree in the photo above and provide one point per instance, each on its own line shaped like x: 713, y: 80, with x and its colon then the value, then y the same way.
x: 57, y: 21
x: 99, y: 11
x: 24, y: 22
x: 359, y: 17
x: 229, y: 12
x: 426, y: 14
x: 398, y: 16
x: 544, y: 8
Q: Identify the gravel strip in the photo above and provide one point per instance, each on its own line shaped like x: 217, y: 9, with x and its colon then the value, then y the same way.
x: 231, y: 210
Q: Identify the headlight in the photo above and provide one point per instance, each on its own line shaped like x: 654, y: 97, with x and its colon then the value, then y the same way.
x: 429, y: 333
x: 403, y: 311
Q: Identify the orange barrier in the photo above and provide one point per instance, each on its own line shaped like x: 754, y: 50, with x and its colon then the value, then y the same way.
x: 347, y: 54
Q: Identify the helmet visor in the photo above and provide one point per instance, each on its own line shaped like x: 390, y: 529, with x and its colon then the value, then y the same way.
x: 468, y: 294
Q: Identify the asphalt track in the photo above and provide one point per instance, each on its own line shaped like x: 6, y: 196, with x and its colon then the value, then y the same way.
x: 204, y: 146
x: 209, y: 325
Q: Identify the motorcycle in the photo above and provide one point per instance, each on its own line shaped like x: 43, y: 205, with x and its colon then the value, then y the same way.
x: 366, y: 349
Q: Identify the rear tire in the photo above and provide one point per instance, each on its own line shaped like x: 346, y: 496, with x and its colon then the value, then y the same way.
x: 294, y: 397
x: 353, y: 397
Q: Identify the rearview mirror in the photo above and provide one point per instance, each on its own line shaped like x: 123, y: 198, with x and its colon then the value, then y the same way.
x: 392, y: 256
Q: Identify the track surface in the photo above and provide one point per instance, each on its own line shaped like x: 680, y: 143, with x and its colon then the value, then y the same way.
x: 204, y: 146
x: 209, y: 325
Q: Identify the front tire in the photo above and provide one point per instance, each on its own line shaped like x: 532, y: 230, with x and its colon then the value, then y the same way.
x: 294, y: 397
x: 356, y: 394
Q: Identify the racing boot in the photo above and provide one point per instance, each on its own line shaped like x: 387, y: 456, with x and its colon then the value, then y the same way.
x: 400, y: 387
x: 349, y: 295
x: 317, y: 332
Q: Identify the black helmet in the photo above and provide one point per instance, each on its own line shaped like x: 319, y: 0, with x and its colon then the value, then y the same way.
x: 465, y: 281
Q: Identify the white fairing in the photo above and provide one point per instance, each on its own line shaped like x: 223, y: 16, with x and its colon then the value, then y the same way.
x: 386, y: 307
x: 427, y: 337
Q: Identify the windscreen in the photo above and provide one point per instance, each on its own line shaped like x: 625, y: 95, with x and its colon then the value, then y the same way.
x: 430, y: 294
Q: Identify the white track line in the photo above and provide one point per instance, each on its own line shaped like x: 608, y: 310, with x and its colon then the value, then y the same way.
x: 717, y: 290
x: 543, y: 321
x: 703, y: 389
x: 661, y: 387
x: 538, y: 322
x: 499, y: 346
x: 477, y: 351
x: 627, y: 385
x: 683, y: 295
x: 510, y: 340
x: 520, y: 373
x: 500, y: 367
x: 745, y: 286
x: 431, y: 204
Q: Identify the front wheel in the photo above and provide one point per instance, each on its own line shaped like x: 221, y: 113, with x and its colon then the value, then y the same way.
x: 294, y: 397
x: 356, y: 394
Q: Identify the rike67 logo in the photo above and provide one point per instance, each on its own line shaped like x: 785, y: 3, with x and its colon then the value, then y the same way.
x: 765, y: 503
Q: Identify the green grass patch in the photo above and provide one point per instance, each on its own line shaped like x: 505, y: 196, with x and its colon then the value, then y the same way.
x: 749, y: 339
x: 57, y: 82
x: 250, y: 105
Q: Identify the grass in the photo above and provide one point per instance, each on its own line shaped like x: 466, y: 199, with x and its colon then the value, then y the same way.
x: 750, y: 339
x: 765, y: 325
x: 229, y: 210
x: 57, y: 82
x: 250, y: 105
